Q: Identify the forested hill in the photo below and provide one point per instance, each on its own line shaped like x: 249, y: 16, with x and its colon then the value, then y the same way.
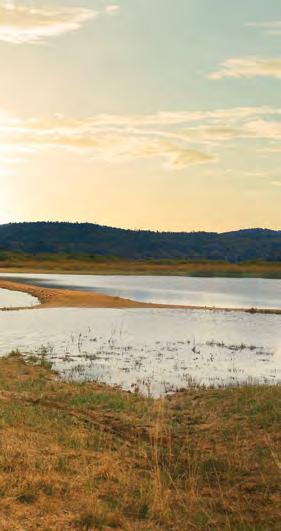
x: 90, y: 239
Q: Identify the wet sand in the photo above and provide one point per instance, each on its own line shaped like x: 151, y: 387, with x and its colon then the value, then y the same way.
x: 65, y: 298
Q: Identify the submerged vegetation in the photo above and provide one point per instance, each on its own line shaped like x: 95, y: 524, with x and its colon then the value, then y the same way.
x: 86, y: 456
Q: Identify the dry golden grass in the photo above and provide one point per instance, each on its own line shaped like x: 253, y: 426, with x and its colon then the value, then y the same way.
x: 91, y: 457
x: 83, y: 264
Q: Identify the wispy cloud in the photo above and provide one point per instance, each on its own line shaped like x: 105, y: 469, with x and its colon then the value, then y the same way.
x: 248, y: 67
x: 276, y: 149
x: 112, y: 9
x: 180, y: 139
x: 31, y: 23
x: 265, y: 129
x: 221, y: 117
x: 270, y: 27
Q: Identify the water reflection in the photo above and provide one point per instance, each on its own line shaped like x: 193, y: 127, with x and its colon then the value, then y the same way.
x: 214, y: 292
x: 155, y: 351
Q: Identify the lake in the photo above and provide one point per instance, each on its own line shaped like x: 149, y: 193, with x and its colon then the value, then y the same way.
x: 154, y: 351
x: 16, y: 299
x: 210, y: 292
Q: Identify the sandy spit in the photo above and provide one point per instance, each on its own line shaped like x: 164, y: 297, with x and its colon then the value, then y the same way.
x: 64, y: 298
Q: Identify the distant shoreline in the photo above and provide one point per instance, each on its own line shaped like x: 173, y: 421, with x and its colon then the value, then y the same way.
x: 15, y: 263
x: 66, y: 298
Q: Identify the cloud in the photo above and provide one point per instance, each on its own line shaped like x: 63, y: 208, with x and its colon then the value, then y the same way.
x: 99, y: 140
x: 219, y: 117
x: 177, y: 155
x: 112, y: 9
x: 270, y: 27
x: 256, y: 173
x: 271, y: 149
x: 248, y: 67
x: 23, y: 23
x: 113, y: 147
x: 180, y: 158
x: 180, y: 139
x: 265, y: 129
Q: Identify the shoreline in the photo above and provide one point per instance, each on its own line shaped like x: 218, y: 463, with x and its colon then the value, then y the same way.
x: 86, y: 265
x: 65, y: 298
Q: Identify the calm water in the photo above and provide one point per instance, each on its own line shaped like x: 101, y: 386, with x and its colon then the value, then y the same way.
x: 15, y: 299
x: 217, y: 292
x: 155, y: 351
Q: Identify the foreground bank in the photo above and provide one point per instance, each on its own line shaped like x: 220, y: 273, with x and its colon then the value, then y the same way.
x: 92, y: 457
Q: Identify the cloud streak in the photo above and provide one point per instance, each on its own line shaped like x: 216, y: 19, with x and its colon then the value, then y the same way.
x: 179, y: 139
x: 270, y: 27
x: 112, y: 9
x: 248, y: 67
x: 23, y: 23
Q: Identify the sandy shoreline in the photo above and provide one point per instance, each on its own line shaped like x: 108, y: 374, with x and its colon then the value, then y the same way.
x: 65, y: 298
x: 59, y: 298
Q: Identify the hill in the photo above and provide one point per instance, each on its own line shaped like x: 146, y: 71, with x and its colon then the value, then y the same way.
x: 96, y: 240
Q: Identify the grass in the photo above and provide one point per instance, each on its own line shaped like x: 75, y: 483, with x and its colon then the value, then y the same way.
x: 87, y: 456
x: 21, y: 262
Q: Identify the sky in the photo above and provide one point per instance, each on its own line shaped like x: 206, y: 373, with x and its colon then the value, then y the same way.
x: 155, y: 114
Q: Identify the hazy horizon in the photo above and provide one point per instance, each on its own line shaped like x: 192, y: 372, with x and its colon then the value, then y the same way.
x: 141, y: 115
